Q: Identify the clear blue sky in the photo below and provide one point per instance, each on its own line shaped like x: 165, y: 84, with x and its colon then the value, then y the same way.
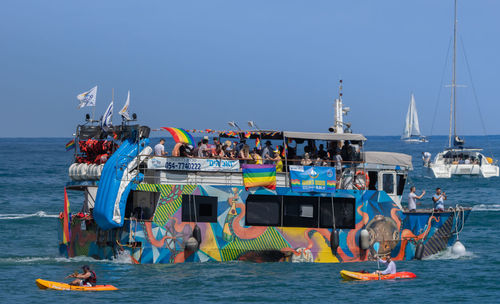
x: 198, y: 64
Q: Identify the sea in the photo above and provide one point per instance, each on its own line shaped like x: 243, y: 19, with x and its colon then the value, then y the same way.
x: 33, y: 172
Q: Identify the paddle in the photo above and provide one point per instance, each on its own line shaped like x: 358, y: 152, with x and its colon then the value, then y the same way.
x: 376, y: 246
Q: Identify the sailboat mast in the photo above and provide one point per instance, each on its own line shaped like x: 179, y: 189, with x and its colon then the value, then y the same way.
x: 453, y: 102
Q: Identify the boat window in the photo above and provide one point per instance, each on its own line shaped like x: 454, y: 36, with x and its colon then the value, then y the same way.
x: 388, y: 183
x: 344, y: 208
x: 300, y: 211
x: 373, y: 175
x: 199, y: 208
x: 141, y: 204
x: 263, y: 210
x: 401, y: 183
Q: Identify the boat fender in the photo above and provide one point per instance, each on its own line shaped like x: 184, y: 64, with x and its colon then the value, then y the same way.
x: 193, y: 243
x: 458, y: 248
x: 364, y: 239
x: 419, y: 250
x: 197, y: 235
x: 334, y: 241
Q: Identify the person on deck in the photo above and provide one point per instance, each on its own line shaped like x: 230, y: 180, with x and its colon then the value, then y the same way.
x: 277, y: 160
x: 203, y: 150
x: 176, y: 150
x: 426, y: 158
x: 267, y: 153
x: 439, y: 199
x: 160, y: 149
x: 391, y: 266
x: 87, y: 278
x: 412, y: 199
x: 256, y: 158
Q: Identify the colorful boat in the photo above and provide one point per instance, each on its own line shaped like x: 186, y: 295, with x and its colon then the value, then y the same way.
x: 44, y: 284
x: 363, y: 276
x: 160, y: 209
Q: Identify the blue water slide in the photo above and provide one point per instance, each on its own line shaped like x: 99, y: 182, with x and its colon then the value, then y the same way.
x: 115, y: 185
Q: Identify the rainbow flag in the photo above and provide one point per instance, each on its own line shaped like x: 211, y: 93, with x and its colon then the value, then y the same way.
x: 257, y: 143
x: 180, y: 135
x: 70, y: 145
x: 259, y: 176
x: 247, y: 134
x: 285, y: 151
x: 66, y: 222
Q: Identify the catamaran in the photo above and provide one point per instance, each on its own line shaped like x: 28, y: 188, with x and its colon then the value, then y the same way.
x: 175, y: 209
x: 411, y: 132
x: 457, y: 159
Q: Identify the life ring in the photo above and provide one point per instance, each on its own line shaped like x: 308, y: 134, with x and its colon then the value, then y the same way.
x: 358, y: 183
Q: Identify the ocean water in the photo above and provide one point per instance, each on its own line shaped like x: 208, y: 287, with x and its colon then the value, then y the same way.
x: 32, y: 176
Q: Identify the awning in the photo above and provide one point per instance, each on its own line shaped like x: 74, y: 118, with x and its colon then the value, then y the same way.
x: 388, y: 158
x: 325, y: 136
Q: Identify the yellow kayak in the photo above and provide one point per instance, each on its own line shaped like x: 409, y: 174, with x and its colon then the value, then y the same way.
x: 361, y: 276
x: 43, y: 284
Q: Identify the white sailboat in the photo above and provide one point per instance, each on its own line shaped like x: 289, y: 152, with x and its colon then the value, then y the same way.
x: 411, y: 132
x: 458, y: 160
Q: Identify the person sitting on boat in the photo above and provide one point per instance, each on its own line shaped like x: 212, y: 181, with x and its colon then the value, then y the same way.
x: 412, y: 199
x: 439, y: 199
x: 426, y: 158
x: 160, y: 149
x: 88, y: 278
x: 391, y: 266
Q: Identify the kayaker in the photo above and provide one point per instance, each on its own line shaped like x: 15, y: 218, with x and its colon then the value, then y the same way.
x: 391, y: 266
x: 87, y: 278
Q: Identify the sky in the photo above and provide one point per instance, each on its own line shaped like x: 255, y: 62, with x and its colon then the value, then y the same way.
x: 199, y: 64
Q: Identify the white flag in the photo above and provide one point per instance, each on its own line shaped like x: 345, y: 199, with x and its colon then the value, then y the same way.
x: 87, y: 99
x: 124, y: 111
x: 106, y: 120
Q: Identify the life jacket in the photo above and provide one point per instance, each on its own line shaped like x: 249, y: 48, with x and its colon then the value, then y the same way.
x: 92, y: 279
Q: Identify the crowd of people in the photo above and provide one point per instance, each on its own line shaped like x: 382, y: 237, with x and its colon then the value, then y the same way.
x: 313, y: 156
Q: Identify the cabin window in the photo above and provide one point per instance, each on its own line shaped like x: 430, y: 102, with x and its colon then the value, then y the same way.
x: 199, y: 208
x: 345, y: 214
x: 373, y: 176
x: 401, y: 184
x: 300, y: 211
x: 141, y: 204
x: 263, y: 210
x: 388, y: 183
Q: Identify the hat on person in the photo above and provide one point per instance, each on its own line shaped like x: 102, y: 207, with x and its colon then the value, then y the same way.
x: 227, y: 143
x: 205, y: 137
x: 268, y: 143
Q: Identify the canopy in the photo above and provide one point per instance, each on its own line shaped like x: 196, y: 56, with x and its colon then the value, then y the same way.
x: 388, y: 158
x: 325, y: 136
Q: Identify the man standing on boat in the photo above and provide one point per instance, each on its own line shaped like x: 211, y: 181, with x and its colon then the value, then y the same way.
x: 426, y: 158
x: 439, y: 199
x: 412, y: 199
x: 160, y: 149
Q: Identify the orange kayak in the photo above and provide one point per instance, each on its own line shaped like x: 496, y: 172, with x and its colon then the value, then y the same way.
x: 360, y: 276
x: 43, y: 284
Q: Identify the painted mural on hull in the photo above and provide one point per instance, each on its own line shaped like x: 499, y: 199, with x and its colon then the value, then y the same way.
x: 164, y: 238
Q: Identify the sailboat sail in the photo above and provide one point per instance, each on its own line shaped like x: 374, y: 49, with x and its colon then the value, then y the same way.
x: 415, y: 130
x: 412, y: 127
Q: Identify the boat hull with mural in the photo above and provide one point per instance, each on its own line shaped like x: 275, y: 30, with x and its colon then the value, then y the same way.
x: 160, y: 209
